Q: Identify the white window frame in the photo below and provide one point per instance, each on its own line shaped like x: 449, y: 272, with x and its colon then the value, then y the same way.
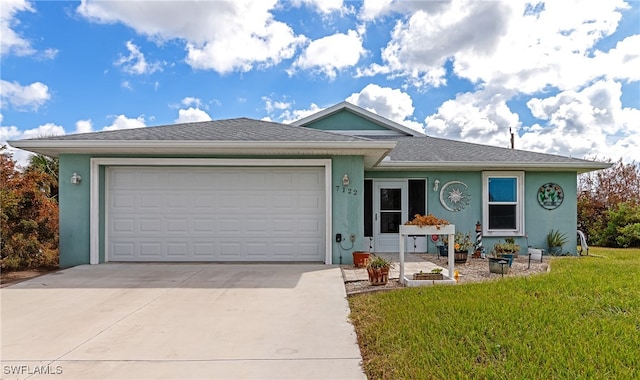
x: 520, y: 217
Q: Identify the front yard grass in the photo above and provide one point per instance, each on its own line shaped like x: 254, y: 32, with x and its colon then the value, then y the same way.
x: 582, y: 320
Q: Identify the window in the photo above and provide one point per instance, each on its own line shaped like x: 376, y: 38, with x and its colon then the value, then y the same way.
x: 503, y: 203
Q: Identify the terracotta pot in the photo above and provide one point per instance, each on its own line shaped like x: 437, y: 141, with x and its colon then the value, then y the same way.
x: 360, y: 259
x: 378, y: 276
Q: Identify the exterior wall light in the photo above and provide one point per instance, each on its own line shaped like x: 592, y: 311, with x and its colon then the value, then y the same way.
x: 436, y: 185
x: 345, y: 180
x: 76, y: 179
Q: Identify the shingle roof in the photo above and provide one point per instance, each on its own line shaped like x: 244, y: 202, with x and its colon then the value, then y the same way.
x: 431, y: 149
x: 249, y: 136
x: 241, y: 129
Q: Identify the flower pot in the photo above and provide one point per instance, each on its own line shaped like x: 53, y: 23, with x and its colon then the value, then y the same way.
x: 360, y: 259
x: 378, y: 276
x: 496, y: 267
x: 460, y: 257
x: 443, y: 250
x: 428, y: 276
x: 508, y: 257
x: 555, y: 251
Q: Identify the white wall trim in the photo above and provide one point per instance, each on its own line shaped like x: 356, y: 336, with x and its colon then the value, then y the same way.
x: 520, y: 220
x: 96, y: 163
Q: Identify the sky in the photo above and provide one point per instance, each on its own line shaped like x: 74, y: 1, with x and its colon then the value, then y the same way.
x: 562, y: 76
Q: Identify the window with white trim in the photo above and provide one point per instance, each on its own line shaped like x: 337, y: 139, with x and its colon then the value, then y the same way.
x: 503, y: 203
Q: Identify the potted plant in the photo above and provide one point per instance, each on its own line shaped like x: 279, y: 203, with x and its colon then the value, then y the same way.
x: 499, y: 265
x: 555, y: 240
x: 462, y: 245
x: 503, y: 251
x: 378, y: 270
x: 435, y: 274
x: 360, y: 259
x: 508, y: 250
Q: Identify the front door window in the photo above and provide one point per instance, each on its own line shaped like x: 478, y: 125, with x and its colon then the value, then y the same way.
x: 389, y: 214
x: 390, y: 210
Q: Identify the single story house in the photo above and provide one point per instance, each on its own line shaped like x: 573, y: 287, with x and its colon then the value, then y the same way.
x: 343, y: 179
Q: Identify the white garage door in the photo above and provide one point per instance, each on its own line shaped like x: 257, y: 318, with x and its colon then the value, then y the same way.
x: 215, y: 214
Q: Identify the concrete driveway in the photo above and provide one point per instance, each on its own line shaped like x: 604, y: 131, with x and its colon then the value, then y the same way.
x: 180, y: 321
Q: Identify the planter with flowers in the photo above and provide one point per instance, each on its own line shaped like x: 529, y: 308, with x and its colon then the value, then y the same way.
x: 462, y: 243
x: 378, y: 270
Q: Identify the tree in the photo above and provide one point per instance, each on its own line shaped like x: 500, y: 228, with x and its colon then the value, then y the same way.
x: 608, y: 202
x: 49, y: 166
x: 28, y: 216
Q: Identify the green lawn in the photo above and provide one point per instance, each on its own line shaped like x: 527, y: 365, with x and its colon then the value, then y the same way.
x: 580, y: 321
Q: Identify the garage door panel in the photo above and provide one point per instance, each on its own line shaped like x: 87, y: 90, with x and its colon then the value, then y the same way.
x: 216, y: 214
x: 177, y: 225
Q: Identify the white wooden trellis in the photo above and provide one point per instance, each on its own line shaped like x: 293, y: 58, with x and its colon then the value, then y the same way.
x: 448, y: 229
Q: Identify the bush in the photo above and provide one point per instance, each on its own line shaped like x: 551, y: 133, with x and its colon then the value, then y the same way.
x: 607, y: 201
x: 28, y: 217
x: 623, y: 228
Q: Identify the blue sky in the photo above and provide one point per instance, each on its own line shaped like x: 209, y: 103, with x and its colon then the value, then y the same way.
x: 563, y: 75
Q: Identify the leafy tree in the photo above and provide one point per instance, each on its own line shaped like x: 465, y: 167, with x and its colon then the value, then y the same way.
x: 607, y: 202
x: 49, y: 166
x: 28, y: 216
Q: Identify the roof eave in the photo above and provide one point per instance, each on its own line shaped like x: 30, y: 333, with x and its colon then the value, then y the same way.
x: 580, y: 167
x: 373, y: 151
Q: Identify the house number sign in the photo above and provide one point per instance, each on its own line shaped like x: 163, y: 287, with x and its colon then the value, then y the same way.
x: 346, y: 190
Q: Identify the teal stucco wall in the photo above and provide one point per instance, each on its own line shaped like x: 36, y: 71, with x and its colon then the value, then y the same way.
x: 538, y: 221
x: 564, y: 218
x: 347, y: 207
x: 74, y: 210
x: 345, y: 120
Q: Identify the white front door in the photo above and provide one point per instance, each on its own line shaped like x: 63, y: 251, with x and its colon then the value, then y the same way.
x: 390, y: 212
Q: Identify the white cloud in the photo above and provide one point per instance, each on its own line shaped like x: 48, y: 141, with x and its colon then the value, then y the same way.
x: 582, y: 123
x: 514, y: 46
x: 191, y: 101
x: 12, y: 42
x: 274, y: 105
x: 331, y: 54
x: 223, y: 36
x: 50, y: 53
x: 289, y: 116
x: 135, y: 63
x: 123, y: 122
x: 421, y: 45
x: 45, y: 130
x: 84, y: 126
x: 387, y: 102
x: 13, y: 133
x: 621, y: 62
x: 479, y: 117
x: 191, y: 115
x: 21, y: 97
x: 323, y: 6
x: 548, y: 48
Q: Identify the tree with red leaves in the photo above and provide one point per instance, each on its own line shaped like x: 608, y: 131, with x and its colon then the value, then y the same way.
x: 28, y: 216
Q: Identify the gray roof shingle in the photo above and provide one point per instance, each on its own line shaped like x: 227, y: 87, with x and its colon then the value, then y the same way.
x: 432, y: 149
x: 240, y: 129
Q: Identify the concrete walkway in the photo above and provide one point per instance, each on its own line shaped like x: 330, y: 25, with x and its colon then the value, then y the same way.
x: 413, y: 264
x: 180, y: 321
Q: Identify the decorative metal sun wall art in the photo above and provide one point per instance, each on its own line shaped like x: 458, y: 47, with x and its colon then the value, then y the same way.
x: 455, y: 196
x: 550, y: 195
